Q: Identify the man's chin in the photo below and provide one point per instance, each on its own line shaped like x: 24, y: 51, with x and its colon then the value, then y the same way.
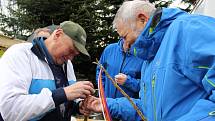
x: 60, y: 62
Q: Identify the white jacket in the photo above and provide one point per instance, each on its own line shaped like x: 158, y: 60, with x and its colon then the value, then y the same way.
x: 26, y: 83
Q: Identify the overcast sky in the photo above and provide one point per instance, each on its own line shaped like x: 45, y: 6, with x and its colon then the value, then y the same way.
x: 3, y: 4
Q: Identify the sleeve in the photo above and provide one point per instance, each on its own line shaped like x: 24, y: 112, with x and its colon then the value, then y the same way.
x: 132, y: 84
x: 70, y: 73
x: 118, y: 107
x: 15, y: 79
x: 201, y: 67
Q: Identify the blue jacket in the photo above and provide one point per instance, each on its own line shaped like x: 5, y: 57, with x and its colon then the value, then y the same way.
x: 179, y: 78
x: 115, y: 60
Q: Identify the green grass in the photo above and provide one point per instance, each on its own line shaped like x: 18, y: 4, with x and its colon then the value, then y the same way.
x: 1, y: 52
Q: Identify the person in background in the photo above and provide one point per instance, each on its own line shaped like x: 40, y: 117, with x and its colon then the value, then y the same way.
x: 36, y: 78
x: 177, y: 81
x: 123, y: 67
x: 42, y: 32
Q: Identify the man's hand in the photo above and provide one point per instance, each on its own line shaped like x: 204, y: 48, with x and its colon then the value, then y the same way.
x: 83, y: 110
x: 120, y: 78
x: 79, y: 90
x: 93, y: 104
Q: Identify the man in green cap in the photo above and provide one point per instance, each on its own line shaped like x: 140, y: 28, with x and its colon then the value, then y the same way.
x: 37, y: 79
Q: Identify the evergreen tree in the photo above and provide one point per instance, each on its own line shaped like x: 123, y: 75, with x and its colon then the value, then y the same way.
x: 95, y: 16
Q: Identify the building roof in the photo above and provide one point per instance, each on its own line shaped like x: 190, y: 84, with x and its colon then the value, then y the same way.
x: 6, y: 41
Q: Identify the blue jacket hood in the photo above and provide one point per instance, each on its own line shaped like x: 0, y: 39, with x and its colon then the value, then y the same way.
x: 148, y: 42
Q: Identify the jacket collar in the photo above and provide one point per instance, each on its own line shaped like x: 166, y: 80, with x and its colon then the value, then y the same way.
x: 40, y: 50
x: 148, y: 42
x: 120, y: 45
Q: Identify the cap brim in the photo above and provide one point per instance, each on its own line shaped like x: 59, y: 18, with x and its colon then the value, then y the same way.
x: 81, y: 48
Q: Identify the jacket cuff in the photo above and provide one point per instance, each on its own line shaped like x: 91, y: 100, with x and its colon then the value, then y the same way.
x: 127, y: 81
x: 59, y: 96
x: 77, y: 108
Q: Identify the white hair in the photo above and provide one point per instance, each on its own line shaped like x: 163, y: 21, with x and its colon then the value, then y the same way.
x: 129, y: 9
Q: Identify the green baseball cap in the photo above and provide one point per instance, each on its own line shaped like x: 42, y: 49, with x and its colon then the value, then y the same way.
x: 76, y: 33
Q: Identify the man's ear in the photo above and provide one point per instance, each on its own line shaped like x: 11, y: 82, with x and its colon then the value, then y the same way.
x: 142, y: 17
x: 58, y: 33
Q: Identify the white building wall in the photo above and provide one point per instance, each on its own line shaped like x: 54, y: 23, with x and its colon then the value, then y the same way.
x: 206, y: 7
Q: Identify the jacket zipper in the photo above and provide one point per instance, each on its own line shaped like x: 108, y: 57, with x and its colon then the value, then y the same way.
x: 145, y: 96
x: 123, y: 61
x: 154, y: 98
x: 145, y: 88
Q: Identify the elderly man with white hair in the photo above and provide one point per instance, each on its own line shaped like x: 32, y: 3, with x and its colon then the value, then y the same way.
x: 177, y: 81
